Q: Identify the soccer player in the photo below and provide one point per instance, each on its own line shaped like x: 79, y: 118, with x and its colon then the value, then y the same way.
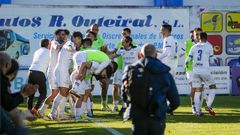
x: 55, y: 47
x: 98, y: 44
x: 117, y: 79
x: 89, y: 62
x: 168, y: 54
x: 37, y: 74
x: 62, y: 75
x: 129, y: 54
x: 201, y: 54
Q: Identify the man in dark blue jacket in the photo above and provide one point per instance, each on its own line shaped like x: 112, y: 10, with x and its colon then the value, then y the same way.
x: 163, y: 88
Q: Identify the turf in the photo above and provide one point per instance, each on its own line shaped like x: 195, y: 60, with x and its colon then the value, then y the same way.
x: 226, y: 122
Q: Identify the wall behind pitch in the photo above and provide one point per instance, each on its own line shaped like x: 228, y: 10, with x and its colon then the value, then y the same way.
x: 37, y: 23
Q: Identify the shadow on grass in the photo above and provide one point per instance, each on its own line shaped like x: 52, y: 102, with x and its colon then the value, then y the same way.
x: 67, y: 127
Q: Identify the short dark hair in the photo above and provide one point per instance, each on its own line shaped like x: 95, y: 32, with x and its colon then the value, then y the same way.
x: 203, y: 36
x: 66, y: 31
x: 127, y: 30
x: 44, y: 43
x: 94, y: 34
x: 88, y: 41
x: 197, y: 29
x: 77, y: 34
x: 14, y: 67
x: 128, y: 39
x: 57, y: 31
x: 168, y: 27
x: 191, y: 31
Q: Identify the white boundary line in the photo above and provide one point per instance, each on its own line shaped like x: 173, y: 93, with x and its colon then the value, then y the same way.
x: 113, y: 131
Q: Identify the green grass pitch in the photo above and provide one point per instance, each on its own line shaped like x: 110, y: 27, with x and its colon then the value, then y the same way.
x: 226, y: 121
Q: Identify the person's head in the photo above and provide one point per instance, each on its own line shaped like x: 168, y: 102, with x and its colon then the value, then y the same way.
x: 203, y: 36
x: 60, y: 35
x: 12, y: 72
x: 166, y: 30
x: 77, y: 38
x: 91, y: 35
x: 67, y: 33
x: 126, y: 42
x: 94, y: 28
x: 191, y: 34
x: 196, y: 34
x: 87, y: 43
x: 108, y: 71
x: 5, y: 62
x: 44, y: 43
x: 126, y: 32
x: 149, y: 50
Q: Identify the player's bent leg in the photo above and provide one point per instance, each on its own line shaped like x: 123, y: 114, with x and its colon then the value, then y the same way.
x: 211, y: 98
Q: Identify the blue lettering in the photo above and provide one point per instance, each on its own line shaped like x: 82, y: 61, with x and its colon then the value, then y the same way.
x: 56, y: 21
x: 36, y: 21
x: 77, y: 21
x: 18, y: 82
x: 24, y: 22
x: 109, y: 23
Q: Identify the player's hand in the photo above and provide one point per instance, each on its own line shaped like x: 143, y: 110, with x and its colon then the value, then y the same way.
x: 29, y: 89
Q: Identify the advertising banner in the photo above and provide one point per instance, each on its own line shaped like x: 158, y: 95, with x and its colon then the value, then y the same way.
x: 21, y: 29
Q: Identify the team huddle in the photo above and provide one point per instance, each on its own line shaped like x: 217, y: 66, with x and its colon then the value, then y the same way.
x: 72, y: 67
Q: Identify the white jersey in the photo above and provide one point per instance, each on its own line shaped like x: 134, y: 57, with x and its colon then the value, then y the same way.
x: 129, y: 56
x: 53, y: 55
x: 201, y: 53
x: 65, y: 56
x: 168, y: 56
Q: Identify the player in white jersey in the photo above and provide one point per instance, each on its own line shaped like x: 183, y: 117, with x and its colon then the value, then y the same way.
x: 62, y: 74
x: 55, y: 47
x: 202, y: 53
x: 129, y: 54
x: 168, y: 55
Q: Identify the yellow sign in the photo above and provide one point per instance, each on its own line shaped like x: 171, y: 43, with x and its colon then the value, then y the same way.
x: 233, y: 22
x: 212, y: 22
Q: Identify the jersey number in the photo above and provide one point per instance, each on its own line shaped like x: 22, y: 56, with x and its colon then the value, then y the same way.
x: 199, y: 55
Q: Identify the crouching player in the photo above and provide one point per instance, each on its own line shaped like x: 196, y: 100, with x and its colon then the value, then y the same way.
x: 89, y: 62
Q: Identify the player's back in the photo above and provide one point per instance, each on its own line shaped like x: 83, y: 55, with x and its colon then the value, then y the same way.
x: 201, y: 52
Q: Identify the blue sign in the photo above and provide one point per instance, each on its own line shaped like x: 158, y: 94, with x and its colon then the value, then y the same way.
x: 233, y: 45
x: 5, y: 1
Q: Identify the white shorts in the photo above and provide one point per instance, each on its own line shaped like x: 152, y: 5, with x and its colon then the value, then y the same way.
x: 200, y: 78
x: 189, y: 75
x: 80, y: 86
x: 117, y: 79
x: 52, y: 80
x: 62, y: 78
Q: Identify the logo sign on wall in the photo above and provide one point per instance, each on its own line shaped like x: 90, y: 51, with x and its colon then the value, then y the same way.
x: 233, y: 45
x: 216, y: 41
x: 211, y: 21
x: 233, y: 22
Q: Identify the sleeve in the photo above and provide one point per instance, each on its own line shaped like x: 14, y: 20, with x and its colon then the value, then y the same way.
x: 11, y: 101
x: 211, y: 54
x: 95, y: 65
x: 119, y: 52
x: 190, y: 56
x: 172, y: 95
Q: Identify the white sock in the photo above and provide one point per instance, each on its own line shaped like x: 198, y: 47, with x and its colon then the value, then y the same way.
x: 89, y: 105
x: 72, y: 107
x: 211, y: 97
x: 77, y: 112
x: 83, y: 107
x: 43, y: 107
x: 62, y: 106
x: 197, y: 101
x: 202, y: 98
x: 115, y: 103
x: 56, y: 103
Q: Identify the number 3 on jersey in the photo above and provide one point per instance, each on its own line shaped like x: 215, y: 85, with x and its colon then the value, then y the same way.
x: 199, y: 55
